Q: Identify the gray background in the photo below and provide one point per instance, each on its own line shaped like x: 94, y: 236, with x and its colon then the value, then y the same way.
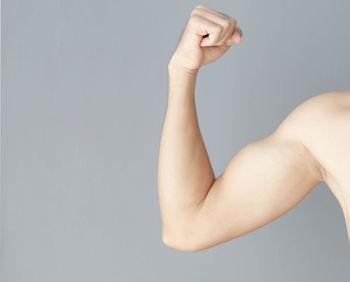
x: 84, y: 93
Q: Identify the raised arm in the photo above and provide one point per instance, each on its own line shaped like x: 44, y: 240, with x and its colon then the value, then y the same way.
x: 264, y: 179
x: 184, y: 170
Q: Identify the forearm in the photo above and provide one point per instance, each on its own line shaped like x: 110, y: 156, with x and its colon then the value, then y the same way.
x: 184, y: 170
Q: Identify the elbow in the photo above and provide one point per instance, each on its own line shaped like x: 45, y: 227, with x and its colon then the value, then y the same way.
x: 180, y: 242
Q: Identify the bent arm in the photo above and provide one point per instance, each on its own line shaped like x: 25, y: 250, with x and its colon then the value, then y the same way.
x: 264, y: 180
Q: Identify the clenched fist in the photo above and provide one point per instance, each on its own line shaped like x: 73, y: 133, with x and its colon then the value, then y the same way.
x: 207, y: 36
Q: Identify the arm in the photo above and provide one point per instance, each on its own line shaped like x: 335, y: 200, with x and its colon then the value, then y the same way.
x: 264, y: 179
x: 184, y: 171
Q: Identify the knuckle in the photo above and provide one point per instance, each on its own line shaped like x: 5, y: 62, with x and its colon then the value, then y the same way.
x: 192, y: 16
x: 194, y: 12
x: 226, y: 24
x: 200, y: 6
x: 233, y: 21
x: 194, y: 19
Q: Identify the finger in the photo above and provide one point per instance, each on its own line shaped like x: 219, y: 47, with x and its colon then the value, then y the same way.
x: 236, y: 37
x: 239, y: 30
x: 203, y: 7
x: 229, y: 32
x: 228, y: 24
x: 212, y: 15
x: 201, y: 26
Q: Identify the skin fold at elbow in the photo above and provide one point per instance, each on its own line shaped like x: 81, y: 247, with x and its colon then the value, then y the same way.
x: 180, y: 243
x: 188, y: 242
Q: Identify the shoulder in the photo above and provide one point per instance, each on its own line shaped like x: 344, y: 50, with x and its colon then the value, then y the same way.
x: 312, y: 122
x: 316, y: 112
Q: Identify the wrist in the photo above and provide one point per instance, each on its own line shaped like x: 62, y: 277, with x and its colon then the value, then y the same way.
x: 175, y: 67
x: 182, y: 81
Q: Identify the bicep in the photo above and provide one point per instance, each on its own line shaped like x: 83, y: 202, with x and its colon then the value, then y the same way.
x: 264, y: 180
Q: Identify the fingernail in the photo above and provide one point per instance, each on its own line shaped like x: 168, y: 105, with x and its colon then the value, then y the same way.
x: 237, y: 37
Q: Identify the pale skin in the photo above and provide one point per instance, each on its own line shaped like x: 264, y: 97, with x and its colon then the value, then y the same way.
x: 267, y: 177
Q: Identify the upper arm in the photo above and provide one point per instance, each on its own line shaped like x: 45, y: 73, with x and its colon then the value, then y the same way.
x: 264, y: 180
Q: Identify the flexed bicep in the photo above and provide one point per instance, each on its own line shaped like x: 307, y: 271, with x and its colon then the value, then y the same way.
x: 264, y: 180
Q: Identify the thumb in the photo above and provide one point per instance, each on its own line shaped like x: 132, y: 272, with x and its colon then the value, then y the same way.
x: 236, y: 37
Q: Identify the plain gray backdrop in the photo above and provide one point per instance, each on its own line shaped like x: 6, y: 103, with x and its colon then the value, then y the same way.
x: 84, y: 94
